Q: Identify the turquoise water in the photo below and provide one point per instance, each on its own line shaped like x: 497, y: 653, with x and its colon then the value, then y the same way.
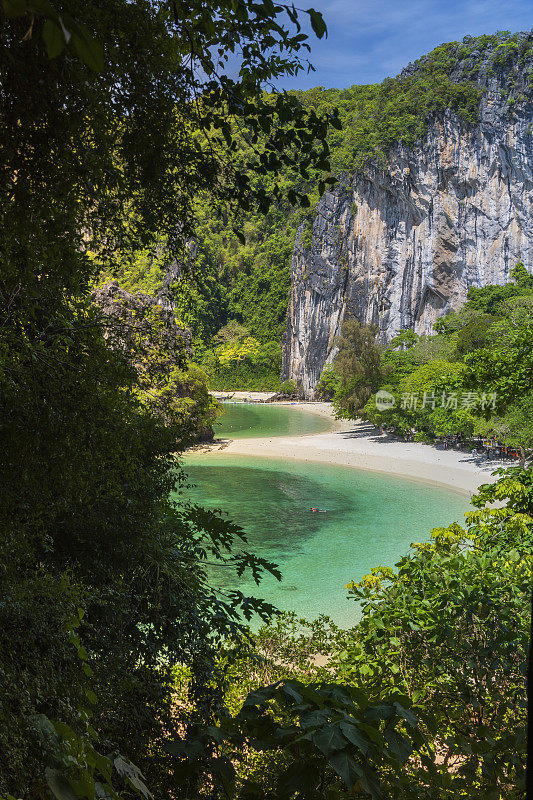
x: 253, y: 420
x: 371, y: 519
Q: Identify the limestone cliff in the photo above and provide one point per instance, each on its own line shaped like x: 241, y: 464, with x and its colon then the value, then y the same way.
x: 400, y: 243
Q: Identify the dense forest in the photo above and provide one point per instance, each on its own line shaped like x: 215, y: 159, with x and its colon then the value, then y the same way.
x: 123, y: 672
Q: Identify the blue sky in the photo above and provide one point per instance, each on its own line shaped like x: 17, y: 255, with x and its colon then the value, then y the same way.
x: 367, y: 41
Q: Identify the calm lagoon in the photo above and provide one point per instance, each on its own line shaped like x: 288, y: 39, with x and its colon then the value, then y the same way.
x: 262, y: 420
x: 369, y: 519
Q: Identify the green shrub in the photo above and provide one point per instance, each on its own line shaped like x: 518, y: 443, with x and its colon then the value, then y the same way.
x: 289, y: 388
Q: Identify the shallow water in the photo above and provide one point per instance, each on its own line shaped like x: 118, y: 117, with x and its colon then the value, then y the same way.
x: 370, y: 519
x: 254, y: 420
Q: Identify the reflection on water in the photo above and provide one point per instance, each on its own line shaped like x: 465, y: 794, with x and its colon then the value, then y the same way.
x: 370, y: 519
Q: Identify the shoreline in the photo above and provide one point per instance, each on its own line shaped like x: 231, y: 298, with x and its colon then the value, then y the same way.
x: 358, y: 445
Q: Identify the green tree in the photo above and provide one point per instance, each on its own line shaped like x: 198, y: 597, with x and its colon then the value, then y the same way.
x: 358, y: 365
x: 449, y: 628
x: 506, y: 367
x: 289, y: 388
x: 328, y: 384
x: 474, y: 333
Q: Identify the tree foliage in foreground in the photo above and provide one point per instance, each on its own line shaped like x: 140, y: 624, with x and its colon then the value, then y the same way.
x: 103, y: 578
x: 114, y: 119
x: 450, y: 628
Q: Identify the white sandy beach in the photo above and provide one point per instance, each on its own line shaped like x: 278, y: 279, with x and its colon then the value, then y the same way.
x: 243, y: 395
x: 360, y: 445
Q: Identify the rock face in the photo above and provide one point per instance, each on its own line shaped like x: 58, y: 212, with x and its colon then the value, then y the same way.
x: 400, y: 245
x: 144, y: 329
x: 129, y: 325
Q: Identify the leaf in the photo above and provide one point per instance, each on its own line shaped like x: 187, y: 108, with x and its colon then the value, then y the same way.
x: 314, y: 718
x: 317, y: 23
x: 346, y: 768
x: 87, y: 47
x: 260, y: 696
x: 301, y: 777
x: 192, y: 749
x: 59, y: 785
x: 373, y: 733
x: 354, y: 735
x: 175, y: 748
x: 215, y: 733
x: 382, y: 711
x: 65, y: 732
x: 407, y: 715
x: 91, y: 696
x: 398, y: 744
x: 292, y: 692
x: 85, y: 786
x: 53, y: 39
x: 329, y: 739
x: 370, y: 784
x: 102, y: 791
x: 104, y: 765
x: 225, y: 771
x: 132, y: 774
x: 42, y: 7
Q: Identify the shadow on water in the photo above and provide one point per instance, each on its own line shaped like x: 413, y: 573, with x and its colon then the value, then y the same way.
x: 273, y: 507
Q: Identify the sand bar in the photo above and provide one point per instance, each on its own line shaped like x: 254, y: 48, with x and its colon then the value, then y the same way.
x: 360, y: 445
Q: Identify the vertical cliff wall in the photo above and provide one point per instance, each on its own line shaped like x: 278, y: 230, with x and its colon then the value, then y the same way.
x: 400, y: 243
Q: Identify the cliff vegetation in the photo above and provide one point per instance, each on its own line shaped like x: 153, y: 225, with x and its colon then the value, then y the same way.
x: 438, y: 382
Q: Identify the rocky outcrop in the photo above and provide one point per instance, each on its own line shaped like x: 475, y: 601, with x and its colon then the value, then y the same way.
x: 130, y: 325
x: 400, y: 244
x: 144, y: 329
